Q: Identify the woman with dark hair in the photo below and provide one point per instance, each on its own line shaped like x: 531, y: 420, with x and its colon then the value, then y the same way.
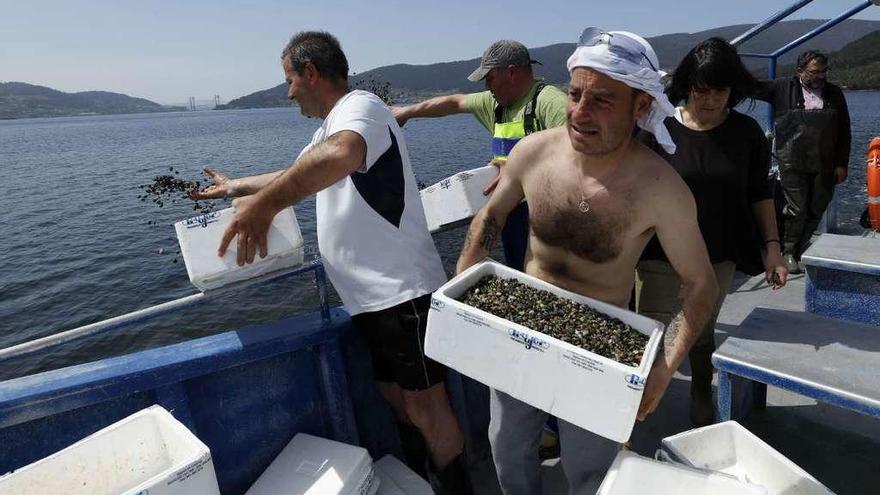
x: 724, y: 158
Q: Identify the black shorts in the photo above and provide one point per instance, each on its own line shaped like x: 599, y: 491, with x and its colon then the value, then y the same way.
x: 396, y: 337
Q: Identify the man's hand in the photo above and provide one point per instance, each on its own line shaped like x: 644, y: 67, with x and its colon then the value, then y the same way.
x: 775, y: 271
x: 251, y: 224
x: 840, y: 174
x: 222, y: 187
x: 399, y: 114
x: 497, y: 162
x: 658, y: 381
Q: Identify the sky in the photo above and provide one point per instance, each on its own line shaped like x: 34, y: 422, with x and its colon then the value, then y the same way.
x: 167, y: 51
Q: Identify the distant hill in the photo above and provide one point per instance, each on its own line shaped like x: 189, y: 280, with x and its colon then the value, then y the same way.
x: 21, y: 100
x: 413, y: 81
x: 267, y: 98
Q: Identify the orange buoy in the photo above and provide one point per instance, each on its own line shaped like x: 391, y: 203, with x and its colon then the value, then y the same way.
x: 873, y: 174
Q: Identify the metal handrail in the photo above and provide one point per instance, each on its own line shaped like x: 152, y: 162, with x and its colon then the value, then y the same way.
x: 148, y: 313
x: 770, y: 21
x: 774, y: 19
x: 822, y: 28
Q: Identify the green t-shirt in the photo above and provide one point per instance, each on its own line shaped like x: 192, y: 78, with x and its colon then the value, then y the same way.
x: 550, y: 111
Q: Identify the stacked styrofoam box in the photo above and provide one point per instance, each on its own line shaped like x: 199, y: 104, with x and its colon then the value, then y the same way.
x: 456, y: 198
x: 729, y: 448
x: 397, y: 479
x: 583, y: 388
x: 631, y: 474
x: 147, y: 452
x: 200, y: 236
x: 310, y: 465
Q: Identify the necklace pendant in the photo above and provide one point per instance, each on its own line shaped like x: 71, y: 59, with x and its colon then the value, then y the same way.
x: 584, y: 206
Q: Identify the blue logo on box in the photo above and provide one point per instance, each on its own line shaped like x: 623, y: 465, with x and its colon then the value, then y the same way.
x: 202, y: 220
x: 529, y: 341
x: 437, y: 304
x: 636, y: 381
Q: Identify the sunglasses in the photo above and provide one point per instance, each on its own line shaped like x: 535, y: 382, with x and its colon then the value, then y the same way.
x: 811, y: 72
x: 618, y: 44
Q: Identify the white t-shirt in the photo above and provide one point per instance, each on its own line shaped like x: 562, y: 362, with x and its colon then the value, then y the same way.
x: 372, y: 233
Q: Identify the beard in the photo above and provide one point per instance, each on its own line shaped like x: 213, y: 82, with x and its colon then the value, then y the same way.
x: 813, y: 84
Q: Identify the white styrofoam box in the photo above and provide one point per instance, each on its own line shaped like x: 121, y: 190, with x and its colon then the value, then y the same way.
x: 200, y: 236
x: 311, y: 465
x: 583, y: 388
x: 147, y: 452
x: 730, y: 448
x: 398, y: 479
x: 631, y: 474
x: 456, y: 198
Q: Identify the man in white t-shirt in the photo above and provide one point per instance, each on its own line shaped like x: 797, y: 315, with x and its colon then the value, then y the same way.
x: 372, y: 235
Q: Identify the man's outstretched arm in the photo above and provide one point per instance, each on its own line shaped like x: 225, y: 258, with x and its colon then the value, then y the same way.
x: 323, y: 165
x: 679, y: 235
x: 486, y: 226
x: 224, y: 187
x: 439, y: 106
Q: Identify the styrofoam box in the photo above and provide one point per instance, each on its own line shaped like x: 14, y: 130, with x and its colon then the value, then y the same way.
x: 311, y: 465
x: 456, y: 198
x: 398, y: 479
x: 200, y: 236
x: 632, y: 474
x: 730, y: 448
x: 147, y: 452
x: 583, y: 388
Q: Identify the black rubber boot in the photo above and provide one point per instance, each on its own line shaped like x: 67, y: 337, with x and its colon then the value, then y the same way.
x: 453, y: 479
x: 702, y: 410
x: 415, y: 450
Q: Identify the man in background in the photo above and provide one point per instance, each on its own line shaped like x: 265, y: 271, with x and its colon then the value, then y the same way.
x: 813, y: 139
x: 514, y: 105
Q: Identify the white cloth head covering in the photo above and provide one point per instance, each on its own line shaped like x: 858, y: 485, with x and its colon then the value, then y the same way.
x: 639, y: 75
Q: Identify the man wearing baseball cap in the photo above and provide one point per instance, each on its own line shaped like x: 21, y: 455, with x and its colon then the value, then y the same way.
x: 514, y: 105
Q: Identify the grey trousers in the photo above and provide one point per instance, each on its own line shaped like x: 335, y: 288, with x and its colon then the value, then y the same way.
x: 657, y: 291
x: 515, y: 433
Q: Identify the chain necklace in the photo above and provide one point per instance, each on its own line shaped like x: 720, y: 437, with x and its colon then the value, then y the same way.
x: 584, y: 206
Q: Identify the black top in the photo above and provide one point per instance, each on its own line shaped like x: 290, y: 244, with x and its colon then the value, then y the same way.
x: 726, y: 169
x: 787, y: 94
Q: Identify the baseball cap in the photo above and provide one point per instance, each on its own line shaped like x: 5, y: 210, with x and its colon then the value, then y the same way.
x: 502, y: 53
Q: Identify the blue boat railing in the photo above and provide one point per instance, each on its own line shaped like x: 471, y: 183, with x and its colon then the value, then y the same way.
x: 829, y: 221
x: 142, y: 315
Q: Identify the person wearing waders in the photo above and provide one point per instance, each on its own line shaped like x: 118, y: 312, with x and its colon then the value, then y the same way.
x: 812, y: 147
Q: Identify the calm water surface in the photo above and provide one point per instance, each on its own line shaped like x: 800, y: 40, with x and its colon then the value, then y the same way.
x: 77, y: 246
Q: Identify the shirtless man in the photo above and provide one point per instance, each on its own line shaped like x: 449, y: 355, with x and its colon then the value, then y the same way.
x: 597, y: 196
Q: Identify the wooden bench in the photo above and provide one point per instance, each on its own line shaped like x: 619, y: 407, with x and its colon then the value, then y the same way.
x: 830, y: 360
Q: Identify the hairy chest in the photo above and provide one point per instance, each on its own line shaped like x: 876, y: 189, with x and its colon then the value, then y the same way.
x: 592, y: 223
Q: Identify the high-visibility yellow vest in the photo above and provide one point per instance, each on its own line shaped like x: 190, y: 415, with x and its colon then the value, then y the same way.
x: 507, y: 134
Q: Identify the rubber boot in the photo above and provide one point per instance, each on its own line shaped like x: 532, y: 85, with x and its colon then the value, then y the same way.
x: 453, y: 479
x: 549, y: 448
x: 702, y: 410
x: 792, y: 265
x: 415, y: 450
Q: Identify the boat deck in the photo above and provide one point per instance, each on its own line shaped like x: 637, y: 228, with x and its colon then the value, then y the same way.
x: 841, y: 448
